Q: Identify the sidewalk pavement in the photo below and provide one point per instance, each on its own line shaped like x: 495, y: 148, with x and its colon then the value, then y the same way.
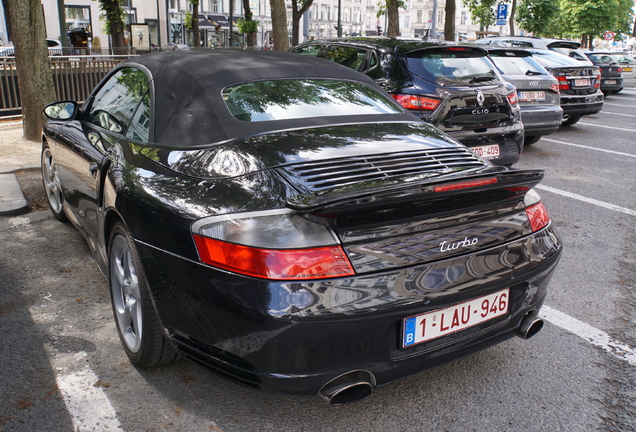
x: 16, y: 154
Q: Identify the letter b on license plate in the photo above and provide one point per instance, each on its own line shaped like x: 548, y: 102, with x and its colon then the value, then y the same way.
x: 431, y: 325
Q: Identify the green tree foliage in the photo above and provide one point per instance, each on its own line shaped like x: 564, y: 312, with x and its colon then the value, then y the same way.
x: 587, y: 19
x: 541, y: 17
x: 483, y: 11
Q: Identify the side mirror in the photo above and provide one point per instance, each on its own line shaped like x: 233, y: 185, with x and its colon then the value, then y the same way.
x: 64, y: 110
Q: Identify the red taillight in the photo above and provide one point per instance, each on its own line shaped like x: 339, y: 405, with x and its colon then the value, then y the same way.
x: 564, y: 84
x: 316, y: 263
x: 464, y: 185
x: 274, y: 244
x: 419, y: 103
x: 513, y: 98
x: 555, y: 88
x: 620, y: 70
x: 537, y: 216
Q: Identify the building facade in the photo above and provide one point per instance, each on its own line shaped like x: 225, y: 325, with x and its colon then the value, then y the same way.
x: 156, y: 23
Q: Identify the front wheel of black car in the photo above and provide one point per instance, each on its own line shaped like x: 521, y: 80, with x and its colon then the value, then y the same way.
x: 571, y: 120
x: 52, y: 185
x: 529, y: 140
x: 137, y: 322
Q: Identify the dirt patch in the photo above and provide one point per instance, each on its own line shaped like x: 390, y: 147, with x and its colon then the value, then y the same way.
x: 31, y: 185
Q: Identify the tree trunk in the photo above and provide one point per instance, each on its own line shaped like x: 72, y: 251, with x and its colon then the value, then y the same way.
x: 114, y: 16
x: 297, y: 15
x: 449, y: 24
x: 247, y: 16
x: 196, y: 36
x: 32, y: 63
x: 393, y: 29
x: 511, y: 21
x: 279, y: 25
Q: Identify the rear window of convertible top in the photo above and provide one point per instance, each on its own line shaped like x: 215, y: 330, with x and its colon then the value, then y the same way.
x: 302, y: 98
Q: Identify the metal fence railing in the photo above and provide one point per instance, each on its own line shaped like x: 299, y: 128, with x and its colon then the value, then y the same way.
x: 73, y: 77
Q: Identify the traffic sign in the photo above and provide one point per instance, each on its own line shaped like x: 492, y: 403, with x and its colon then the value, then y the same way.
x: 502, y: 12
x: 608, y: 36
x: 501, y: 22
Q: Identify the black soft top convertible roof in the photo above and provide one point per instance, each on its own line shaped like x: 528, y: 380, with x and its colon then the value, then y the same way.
x: 189, y: 108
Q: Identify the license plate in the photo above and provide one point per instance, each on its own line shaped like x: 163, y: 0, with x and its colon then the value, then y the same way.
x: 532, y: 96
x: 489, y: 151
x: 610, y: 81
x: 432, y: 325
x: 627, y: 69
x: 581, y: 82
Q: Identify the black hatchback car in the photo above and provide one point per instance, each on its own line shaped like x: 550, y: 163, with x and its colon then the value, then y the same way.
x: 611, y: 71
x: 290, y: 227
x: 454, y: 87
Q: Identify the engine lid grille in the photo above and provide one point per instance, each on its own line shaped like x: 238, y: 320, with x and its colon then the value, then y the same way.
x: 320, y: 175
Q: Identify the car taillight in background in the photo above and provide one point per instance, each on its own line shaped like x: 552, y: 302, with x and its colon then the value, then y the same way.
x: 564, y: 84
x: 597, y: 83
x: 513, y: 98
x: 418, y: 103
x: 276, y: 244
x: 619, y: 70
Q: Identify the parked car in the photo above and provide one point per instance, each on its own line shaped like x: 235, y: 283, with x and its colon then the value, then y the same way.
x: 54, y: 46
x: 454, y: 87
x: 579, y: 84
x: 628, y: 64
x: 565, y: 47
x: 290, y: 227
x: 611, y: 71
x: 537, y: 91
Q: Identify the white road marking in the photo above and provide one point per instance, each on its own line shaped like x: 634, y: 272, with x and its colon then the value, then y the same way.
x: 618, y: 114
x: 609, y: 127
x: 587, y: 200
x: 87, y: 403
x: 589, y: 148
x: 618, y: 105
x: 591, y: 334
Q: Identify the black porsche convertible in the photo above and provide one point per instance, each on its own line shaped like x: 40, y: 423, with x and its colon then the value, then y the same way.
x: 282, y: 222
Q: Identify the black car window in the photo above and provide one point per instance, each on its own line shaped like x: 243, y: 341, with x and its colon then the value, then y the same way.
x: 553, y: 59
x: 115, y: 103
x: 514, y: 65
x: 448, y: 66
x: 346, y: 56
x: 310, y: 50
x: 304, y: 98
x: 140, y: 124
x: 513, y: 43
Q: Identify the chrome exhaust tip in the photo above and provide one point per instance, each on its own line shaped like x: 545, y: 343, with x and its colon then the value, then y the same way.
x: 348, y: 388
x: 530, y: 326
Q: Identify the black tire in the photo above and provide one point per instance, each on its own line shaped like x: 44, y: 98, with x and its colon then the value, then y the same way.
x: 570, y: 121
x: 138, y: 326
x: 52, y: 185
x: 529, y: 140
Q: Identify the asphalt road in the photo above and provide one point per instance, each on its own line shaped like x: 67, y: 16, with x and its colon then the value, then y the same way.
x: 62, y: 367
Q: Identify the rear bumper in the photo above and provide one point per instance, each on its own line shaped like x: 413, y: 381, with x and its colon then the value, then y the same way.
x: 541, y: 119
x: 509, y: 139
x: 293, y: 338
x: 579, y: 105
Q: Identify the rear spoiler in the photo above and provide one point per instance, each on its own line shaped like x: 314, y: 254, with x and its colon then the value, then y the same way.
x: 393, y: 191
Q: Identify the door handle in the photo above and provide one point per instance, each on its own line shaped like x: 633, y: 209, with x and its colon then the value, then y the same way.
x: 92, y: 169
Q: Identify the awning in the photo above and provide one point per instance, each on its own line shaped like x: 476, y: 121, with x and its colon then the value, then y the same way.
x: 220, y: 20
x: 204, y: 23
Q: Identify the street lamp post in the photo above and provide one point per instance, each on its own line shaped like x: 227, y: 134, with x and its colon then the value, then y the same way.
x: 339, y: 23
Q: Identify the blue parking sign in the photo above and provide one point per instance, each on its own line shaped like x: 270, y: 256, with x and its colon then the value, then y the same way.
x: 502, y: 11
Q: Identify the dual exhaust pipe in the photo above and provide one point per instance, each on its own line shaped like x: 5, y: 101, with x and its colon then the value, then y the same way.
x: 357, y: 385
